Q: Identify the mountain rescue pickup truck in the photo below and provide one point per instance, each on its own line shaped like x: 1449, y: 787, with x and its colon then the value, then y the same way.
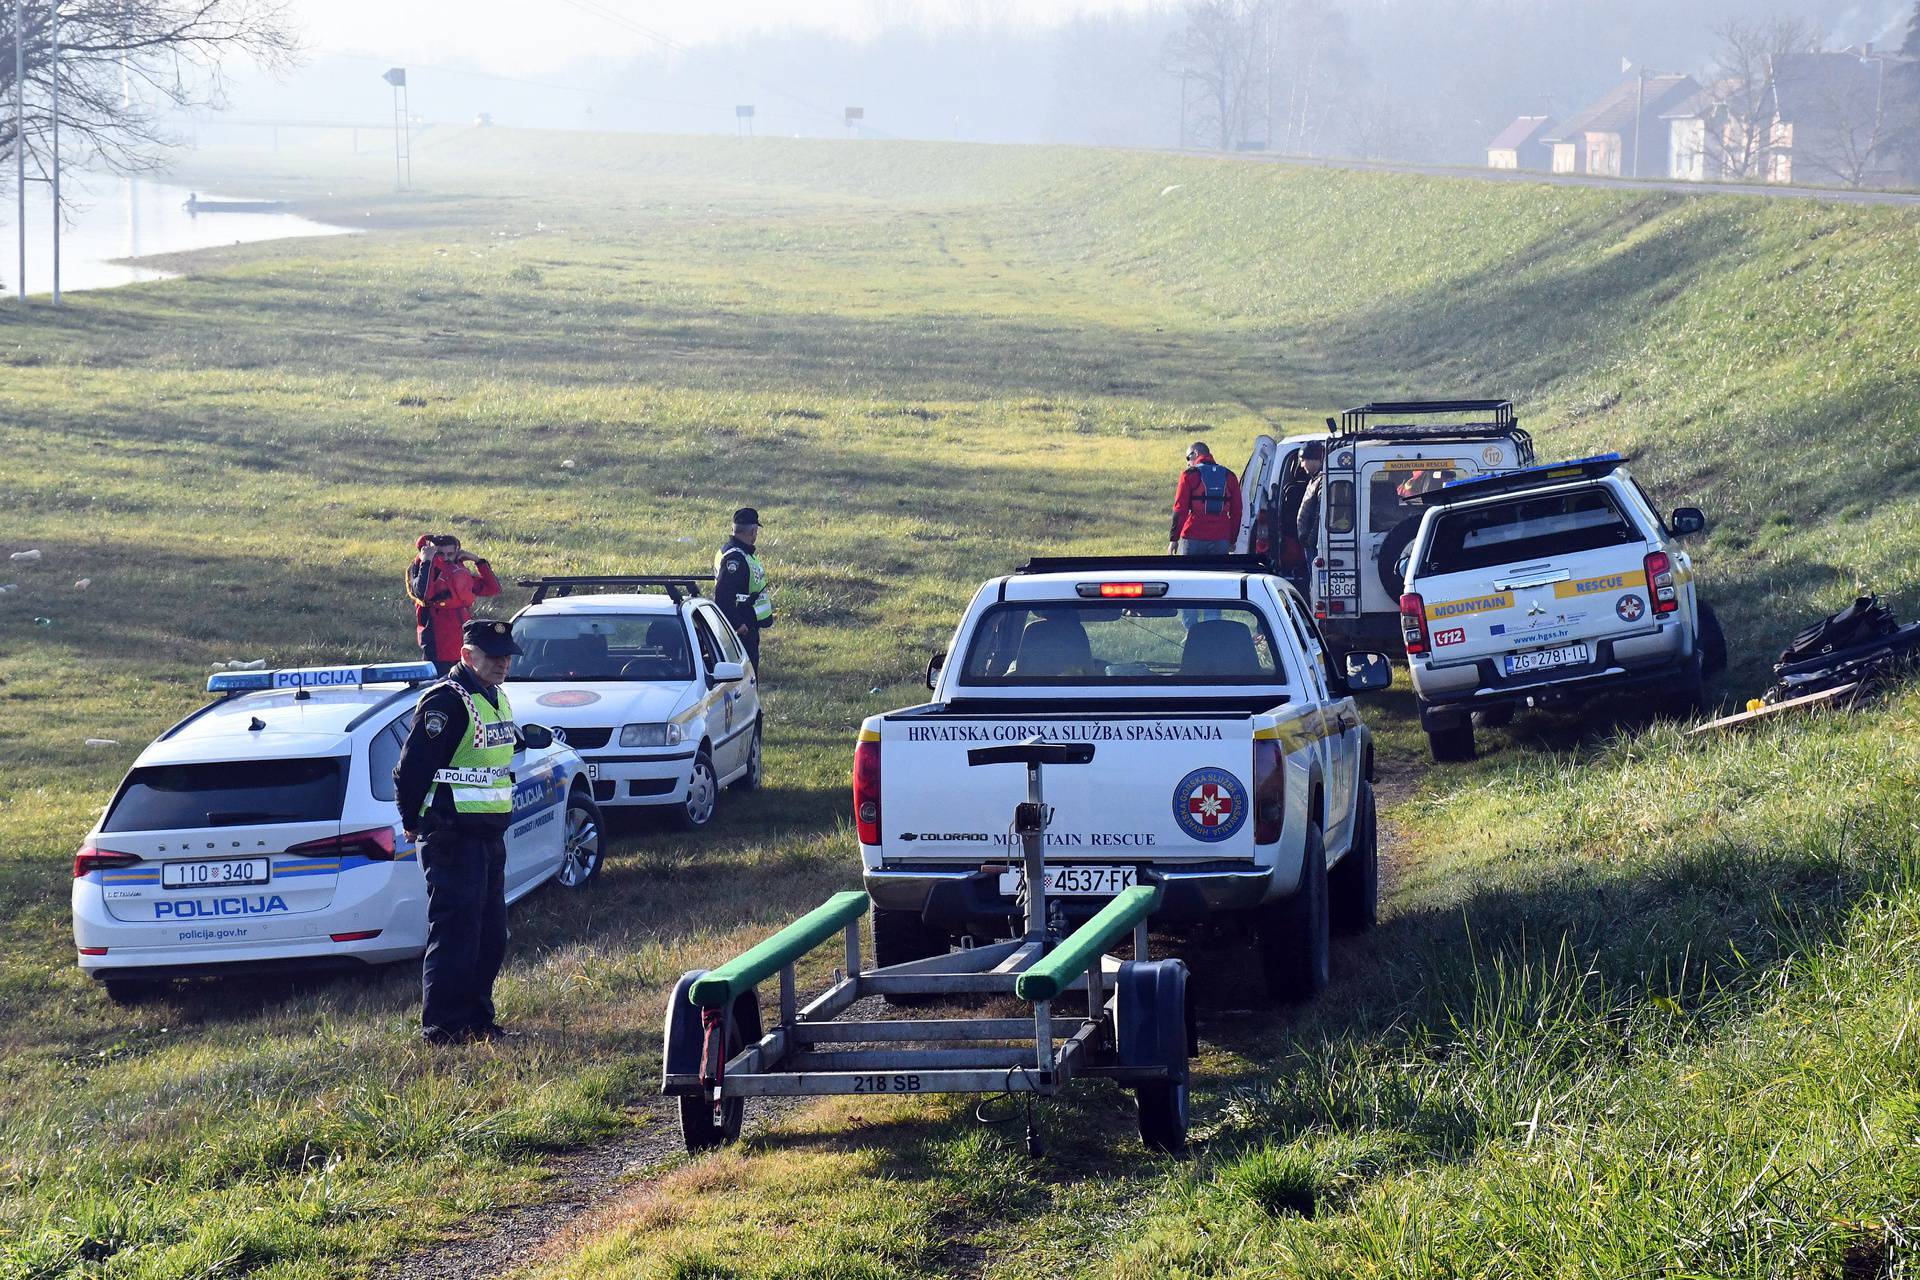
x: 1232, y: 767
x: 1545, y: 586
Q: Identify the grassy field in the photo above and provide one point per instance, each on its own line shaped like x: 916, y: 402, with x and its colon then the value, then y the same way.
x: 1638, y: 1006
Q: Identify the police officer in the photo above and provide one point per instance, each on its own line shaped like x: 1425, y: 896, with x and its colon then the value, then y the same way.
x: 455, y: 792
x: 740, y: 583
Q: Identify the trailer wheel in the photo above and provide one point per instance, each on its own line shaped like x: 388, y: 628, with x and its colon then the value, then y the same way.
x: 1154, y: 1029
x: 702, y: 1125
x: 1163, y: 1116
x: 1293, y: 932
x: 1353, y: 886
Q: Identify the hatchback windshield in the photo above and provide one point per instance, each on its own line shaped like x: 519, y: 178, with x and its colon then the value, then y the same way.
x: 577, y: 646
x: 1521, y: 530
x: 170, y: 797
x: 1102, y: 643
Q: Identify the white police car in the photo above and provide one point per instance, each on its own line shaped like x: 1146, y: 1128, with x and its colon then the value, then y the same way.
x: 261, y: 833
x: 653, y: 689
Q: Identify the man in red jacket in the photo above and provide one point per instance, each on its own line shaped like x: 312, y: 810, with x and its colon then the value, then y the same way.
x: 1206, y: 507
x: 443, y: 590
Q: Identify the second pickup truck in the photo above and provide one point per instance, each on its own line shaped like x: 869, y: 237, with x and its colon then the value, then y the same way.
x: 1232, y: 767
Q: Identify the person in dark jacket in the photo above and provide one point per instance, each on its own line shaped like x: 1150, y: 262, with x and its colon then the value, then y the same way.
x: 740, y: 584
x: 1293, y: 506
x: 443, y: 590
x: 454, y: 788
x: 1206, y: 507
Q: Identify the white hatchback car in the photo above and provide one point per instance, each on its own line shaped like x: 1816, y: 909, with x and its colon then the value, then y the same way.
x: 652, y: 688
x: 261, y: 833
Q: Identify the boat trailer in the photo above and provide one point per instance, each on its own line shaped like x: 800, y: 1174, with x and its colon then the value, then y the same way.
x: 1136, y: 1028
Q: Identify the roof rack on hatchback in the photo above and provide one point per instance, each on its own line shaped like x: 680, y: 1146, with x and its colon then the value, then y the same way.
x: 677, y: 585
x: 1472, y: 487
x: 1472, y: 420
x: 1101, y: 564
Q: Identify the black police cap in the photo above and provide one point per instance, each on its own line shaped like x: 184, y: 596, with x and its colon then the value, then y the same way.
x: 746, y: 515
x: 490, y: 636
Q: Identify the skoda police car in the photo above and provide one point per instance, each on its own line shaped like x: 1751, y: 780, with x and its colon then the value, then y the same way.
x: 261, y: 833
x: 646, y: 679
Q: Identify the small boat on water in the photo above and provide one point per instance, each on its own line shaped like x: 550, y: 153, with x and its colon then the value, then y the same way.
x: 195, y: 205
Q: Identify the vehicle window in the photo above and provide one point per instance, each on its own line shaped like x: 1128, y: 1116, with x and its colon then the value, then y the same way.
x: 723, y: 631
x: 709, y: 646
x: 1309, y: 639
x: 1660, y: 521
x: 1388, y: 491
x: 1525, y: 529
x: 383, y: 755
x: 170, y: 797
x: 1340, y: 507
x: 1108, y: 643
x: 579, y: 646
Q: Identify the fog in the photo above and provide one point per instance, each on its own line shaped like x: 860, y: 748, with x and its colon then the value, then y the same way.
x: 1402, y: 79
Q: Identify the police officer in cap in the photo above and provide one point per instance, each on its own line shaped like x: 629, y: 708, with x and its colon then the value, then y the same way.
x: 740, y: 583
x: 455, y: 790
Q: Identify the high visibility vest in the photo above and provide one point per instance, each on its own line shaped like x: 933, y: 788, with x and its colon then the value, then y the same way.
x: 479, y: 775
x: 756, y: 584
x: 1213, y: 483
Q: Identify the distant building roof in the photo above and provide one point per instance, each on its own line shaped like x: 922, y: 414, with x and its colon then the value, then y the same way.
x: 1704, y: 102
x: 1522, y: 131
x: 1817, y: 86
x: 1613, y: 113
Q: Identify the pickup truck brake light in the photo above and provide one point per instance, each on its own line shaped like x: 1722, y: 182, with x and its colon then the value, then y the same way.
x: 1660, y: 583
x: 866, y: 791
x: 1269, y: 791
x: 1413, y: 623
x: 1120, y: 590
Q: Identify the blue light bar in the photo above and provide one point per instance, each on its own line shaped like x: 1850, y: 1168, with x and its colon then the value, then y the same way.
x: 321, y: 677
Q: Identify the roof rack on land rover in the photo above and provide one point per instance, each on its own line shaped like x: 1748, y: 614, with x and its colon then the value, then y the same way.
x: 1377, y: 420
x: 676, y: 585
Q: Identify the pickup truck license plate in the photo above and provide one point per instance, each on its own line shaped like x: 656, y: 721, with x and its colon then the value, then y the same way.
x: 1570, y: 655
x: 1076, y: 882
x: 213, y: 875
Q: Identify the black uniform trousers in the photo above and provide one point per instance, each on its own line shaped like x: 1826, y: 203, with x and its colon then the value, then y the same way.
x: 466, y: 928
x: 750, y: 641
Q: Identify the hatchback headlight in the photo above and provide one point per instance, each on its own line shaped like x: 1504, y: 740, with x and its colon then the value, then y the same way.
x: 650, y: 735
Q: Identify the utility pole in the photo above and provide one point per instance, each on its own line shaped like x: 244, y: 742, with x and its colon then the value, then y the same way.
x: 53, y: 10
x: 20, y: 132
x: 1639, y: 109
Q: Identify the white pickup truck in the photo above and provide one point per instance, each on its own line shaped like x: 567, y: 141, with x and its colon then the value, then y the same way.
x: 1232, y: 767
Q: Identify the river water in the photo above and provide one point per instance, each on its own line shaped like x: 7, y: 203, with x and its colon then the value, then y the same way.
x: 110, y: 218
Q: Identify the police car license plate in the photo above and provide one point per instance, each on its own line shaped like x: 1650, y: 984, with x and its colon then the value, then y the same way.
x: 213, y: 875
x: 1570, y: 655
x: 1076, y: 882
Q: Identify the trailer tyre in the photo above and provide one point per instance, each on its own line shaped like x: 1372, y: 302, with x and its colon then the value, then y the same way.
x: 1154, y: 1029
x: 702, y: 1125
x: 1294, y: 932
x: 1353, y: 886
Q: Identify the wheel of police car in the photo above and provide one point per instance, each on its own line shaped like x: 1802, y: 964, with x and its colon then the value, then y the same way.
x: 756, y: 766
x: 1294, y: 932
x: 1353, y: 886
x: 585, y: 842
x: 703, y: 795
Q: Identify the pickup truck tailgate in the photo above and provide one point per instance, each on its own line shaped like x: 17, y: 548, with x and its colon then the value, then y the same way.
x: 1172, y: 788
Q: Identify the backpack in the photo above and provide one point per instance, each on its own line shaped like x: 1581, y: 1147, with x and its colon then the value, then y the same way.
x: 1862, y: 622
x: 1213, y: 479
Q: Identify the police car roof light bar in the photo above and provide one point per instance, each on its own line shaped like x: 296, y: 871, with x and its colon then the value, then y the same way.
x: 237, y: 682
x: 676, y: 584
x: 1471, y: 487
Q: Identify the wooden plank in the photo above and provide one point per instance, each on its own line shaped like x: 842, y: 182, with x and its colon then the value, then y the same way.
x: 1823, y: 698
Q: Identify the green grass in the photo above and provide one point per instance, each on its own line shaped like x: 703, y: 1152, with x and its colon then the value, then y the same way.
x: 1639, y: 1005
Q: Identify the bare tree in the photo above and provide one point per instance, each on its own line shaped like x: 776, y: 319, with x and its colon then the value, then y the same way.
x: 1222, y: 53
x: 123, y: 64
x: 1740, y: 89
x: 1310, y: 48
x: 1851, y: 134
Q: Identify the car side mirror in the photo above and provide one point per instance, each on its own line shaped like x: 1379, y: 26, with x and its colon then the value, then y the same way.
x: 935, y: 665
x: 537, y: 737
x: 1687, y: 520
x: 728, y: 672
x: 1366, y: 671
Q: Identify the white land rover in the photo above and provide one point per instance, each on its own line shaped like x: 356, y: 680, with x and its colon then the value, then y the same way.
x: 1230, y: 764
x: 1546, y: 586
x: 645, y: 678
x: 261, y: 833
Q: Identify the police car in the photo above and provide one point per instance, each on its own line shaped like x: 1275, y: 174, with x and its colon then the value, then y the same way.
x: 261, y: 833
x: 1545, y: 586
x: 647, y: 680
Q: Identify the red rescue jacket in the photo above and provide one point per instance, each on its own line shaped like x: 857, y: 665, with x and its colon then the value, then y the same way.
x: 443, y: 593
x: 1192, y: 517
